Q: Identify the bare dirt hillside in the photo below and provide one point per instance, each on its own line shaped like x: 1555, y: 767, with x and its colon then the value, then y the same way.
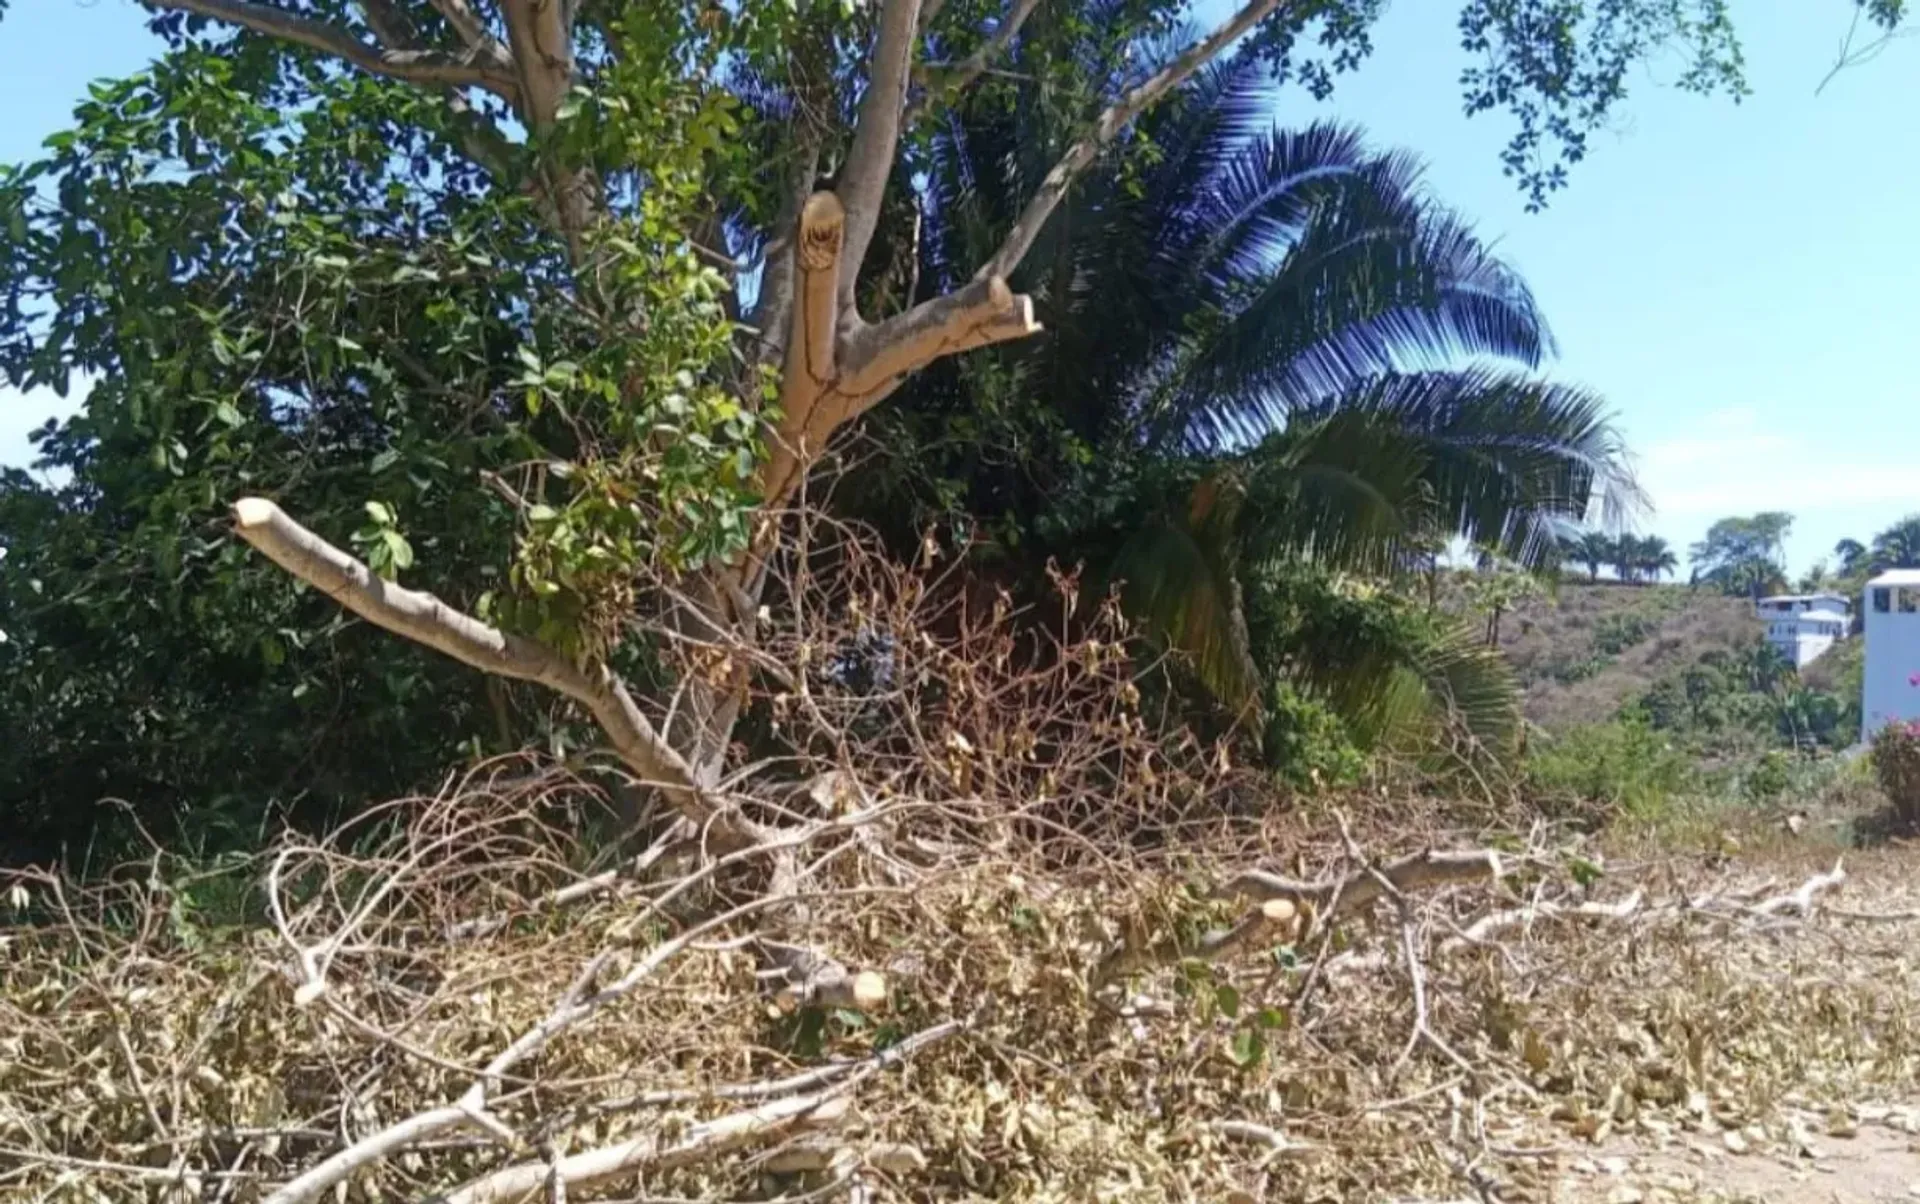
x: 1591, y: 648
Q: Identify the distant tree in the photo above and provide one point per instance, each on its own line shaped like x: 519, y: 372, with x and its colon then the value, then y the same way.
x: 1590, y: 548
x: 1743, y: 555
x: 1898, y: 547
x: 1815, y: 579
x: 1496, y: 589
x: 1654, y: 558
x: 1850, y: 555
x: 1620, y: 556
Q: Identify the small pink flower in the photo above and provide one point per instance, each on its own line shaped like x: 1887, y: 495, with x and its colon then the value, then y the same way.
x: 1913, y: 679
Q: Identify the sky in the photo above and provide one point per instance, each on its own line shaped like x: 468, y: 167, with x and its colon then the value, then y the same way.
x: 1735, y: 280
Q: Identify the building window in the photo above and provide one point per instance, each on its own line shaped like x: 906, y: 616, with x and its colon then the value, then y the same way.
x: 1882, y: 601
x: 1910, y: 601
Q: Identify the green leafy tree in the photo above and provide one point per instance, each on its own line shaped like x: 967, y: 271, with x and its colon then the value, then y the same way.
x: 1744, y: 555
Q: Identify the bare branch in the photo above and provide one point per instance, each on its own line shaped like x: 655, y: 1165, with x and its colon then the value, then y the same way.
x: 947, y: 80
x: 1330, y: 897
x: 413, y: 66
x: 863, y: 180
x: 699, y: 1143
x: 1081, y: 154
x: 425, y: 619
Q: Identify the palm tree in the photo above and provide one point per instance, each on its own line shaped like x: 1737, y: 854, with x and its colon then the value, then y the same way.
x: 1654, y: 558
x: 1593, y: 549
x: 1624, y: 555
x: 1260, y: 346
x: 1851, y: 556
x: 1898, y: 547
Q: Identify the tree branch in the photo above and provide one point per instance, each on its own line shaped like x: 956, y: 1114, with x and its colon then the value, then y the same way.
x: 471, y: 30
x: 1332, y: 896
x: 540, y: 36
x: 872, y: 358
x: 947, y: 80
x: 699, y: 1143
x: 863, y: 180
x: 1081, y: 154
x: 412, y: 66
x: 427, y: 620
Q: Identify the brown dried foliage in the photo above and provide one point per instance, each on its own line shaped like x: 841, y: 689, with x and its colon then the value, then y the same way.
x: 987, y: 828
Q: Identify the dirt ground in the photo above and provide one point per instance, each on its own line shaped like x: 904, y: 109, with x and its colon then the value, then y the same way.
x: 1875, y: 1162
x: 1867, y: 1152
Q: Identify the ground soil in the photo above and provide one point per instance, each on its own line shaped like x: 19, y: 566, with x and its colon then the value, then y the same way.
x: 1867, y: 1152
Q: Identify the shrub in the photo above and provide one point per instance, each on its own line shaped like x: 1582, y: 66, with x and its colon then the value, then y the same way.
x: 1768, y: 778
x: 1896, y: 763
x: 1307, y: 744
x: 1623, y: 765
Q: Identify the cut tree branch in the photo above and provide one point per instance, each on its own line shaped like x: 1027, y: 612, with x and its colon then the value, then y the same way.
x: 413, y: 66
x: 699, y: 1143
x: 819, y: 241
x: 1081, y: 154
x: 427, y: 620
x: 863, y: 180
x: 1332, y: 896
x: 874, y: 358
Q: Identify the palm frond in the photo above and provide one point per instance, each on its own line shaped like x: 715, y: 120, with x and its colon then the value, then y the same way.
x: 1377, y: 282
x: 1178, y: 580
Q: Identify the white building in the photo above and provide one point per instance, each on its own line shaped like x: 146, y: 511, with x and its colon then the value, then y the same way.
x: 1890, y: 685
x: 1803, y: 626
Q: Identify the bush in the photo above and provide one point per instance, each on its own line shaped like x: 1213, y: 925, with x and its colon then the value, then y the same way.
x: 1307, y: 744
x: 1768, y: 778
x: 1623, y: 765
x: 1896, y: 763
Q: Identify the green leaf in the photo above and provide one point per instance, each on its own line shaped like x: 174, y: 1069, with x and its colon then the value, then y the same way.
x: 1226, y: 997
x: 1246, y: 1047
x: 380, y: 513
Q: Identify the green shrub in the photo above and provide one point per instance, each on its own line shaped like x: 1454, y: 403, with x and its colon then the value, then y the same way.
x: 1614, y: 634
x: 1768, y: 778
x: 1622, y: 765
x: 1307, y: 744
x: 1896, y: 763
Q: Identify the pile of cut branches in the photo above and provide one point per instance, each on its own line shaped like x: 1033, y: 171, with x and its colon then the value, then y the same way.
x: 979, y: 930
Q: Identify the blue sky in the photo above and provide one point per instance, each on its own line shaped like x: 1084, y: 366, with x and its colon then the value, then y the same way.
x: 1736, y: 280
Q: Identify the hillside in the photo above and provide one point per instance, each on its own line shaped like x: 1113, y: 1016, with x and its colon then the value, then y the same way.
x: 1593, y: 647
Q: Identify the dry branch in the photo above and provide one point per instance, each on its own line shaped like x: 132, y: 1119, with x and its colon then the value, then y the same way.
x: 1329, y: 897
x: 701, y: 1142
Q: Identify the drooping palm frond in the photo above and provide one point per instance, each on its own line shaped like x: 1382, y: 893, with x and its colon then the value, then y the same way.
x: 1508, y: 457
x: 1396, y: 676
x: 1177, y: 572
x: 1472, y: 694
